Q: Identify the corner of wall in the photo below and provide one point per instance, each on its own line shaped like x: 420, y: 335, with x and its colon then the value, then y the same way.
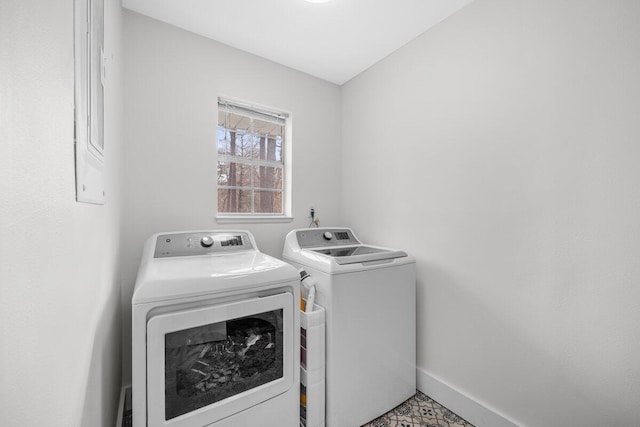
x: 462, y: 404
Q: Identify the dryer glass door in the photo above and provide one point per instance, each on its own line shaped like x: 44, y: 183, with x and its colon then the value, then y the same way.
x: 208, y: 363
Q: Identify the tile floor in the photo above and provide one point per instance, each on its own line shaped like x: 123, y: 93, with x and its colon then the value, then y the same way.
x: 419, y: 411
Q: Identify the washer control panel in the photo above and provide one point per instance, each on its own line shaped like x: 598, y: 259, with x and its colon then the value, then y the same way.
x: 201, y: 243
x: 320, y: 237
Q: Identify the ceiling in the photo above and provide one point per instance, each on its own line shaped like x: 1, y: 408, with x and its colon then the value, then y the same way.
x: 334, y: 41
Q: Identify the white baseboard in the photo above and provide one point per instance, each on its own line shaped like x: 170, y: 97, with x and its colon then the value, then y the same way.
x: 476, y: 413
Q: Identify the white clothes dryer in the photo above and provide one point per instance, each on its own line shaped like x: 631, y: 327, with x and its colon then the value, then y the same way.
x: 215, y: 327
x: 368, y: 293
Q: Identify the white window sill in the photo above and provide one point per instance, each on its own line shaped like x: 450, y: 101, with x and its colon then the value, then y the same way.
x: 249, y: 219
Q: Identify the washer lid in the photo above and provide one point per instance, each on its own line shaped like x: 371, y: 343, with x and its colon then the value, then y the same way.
x: 336, y: 250
x: 360, y: 254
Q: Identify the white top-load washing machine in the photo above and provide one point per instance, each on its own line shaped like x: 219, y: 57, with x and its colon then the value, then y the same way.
x: 368, y: 293
x: 215, y: 333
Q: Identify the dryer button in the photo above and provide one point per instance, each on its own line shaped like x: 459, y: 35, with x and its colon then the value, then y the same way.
x: 206, y: 241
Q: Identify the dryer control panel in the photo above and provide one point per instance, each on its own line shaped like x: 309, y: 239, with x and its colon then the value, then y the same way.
x: 201, y: 243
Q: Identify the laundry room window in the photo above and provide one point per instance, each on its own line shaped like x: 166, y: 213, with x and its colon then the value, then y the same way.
x: 252, y: 162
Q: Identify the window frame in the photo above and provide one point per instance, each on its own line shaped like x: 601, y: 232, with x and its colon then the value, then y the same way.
x: 261, y: 113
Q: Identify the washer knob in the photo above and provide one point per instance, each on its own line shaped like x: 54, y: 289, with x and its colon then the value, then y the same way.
x: 206, y: 241
x: 327, y: 235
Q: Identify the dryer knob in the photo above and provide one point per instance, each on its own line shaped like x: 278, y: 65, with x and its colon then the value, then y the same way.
x: 327, y: 235
x: 206, y: 241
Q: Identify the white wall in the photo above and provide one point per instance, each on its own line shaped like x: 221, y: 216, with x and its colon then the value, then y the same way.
x: 172, y: 82
x: 59, y: 260
x: 502, y: 149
